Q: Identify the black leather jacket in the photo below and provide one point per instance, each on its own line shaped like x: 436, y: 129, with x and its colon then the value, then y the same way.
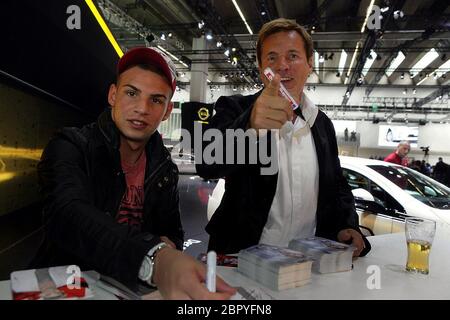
x: 241, y: 216
x: 82, y: 183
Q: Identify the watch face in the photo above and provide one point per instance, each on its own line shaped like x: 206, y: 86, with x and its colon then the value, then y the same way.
x: 146, y: 270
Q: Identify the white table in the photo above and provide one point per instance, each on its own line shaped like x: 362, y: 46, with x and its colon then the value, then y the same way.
x: 389, y: 255
x: 101, y: 290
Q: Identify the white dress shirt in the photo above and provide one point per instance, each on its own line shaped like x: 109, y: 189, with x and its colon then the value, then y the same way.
x: 293, y: 211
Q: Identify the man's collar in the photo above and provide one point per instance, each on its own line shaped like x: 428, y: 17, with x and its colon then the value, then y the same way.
x: 309, y: 110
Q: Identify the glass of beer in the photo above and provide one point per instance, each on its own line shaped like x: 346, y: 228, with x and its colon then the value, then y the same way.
x: 419, y: 237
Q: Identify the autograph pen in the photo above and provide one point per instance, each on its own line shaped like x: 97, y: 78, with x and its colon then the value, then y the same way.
x: 295, y: 106
x: 211, y: 271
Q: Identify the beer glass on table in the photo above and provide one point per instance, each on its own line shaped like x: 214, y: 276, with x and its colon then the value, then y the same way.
x: 419, y: 237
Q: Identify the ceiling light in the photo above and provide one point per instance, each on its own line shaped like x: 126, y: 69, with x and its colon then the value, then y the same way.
x: 428, y: 58
x: 414, y: 91
x: 352, y: 61
x: 316, y: 61
x: 395, y: 63
x: 163, y: 36
x: 201, y: 24
x: 402, y: 76
x: 360, y: 80
x: 368, y: 13
x: 342, y: 61
x: 321, y: 58
x: 443, y: 69
x: 219, y: 44
x: 421, y: 81
x: 227, y: 52
x: 369, y: 62
x: 242, y: 16
x: 398, y: 14
x: 150, y: 38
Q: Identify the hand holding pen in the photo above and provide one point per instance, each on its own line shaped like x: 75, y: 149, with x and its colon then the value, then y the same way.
x: 180, y: 276
x: 271, y: 111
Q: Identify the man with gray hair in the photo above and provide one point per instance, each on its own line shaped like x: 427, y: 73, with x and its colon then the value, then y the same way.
x: 399, y: 155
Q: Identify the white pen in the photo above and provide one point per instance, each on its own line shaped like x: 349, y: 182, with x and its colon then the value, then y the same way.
x: 270, y: 75
x: 211, y: 271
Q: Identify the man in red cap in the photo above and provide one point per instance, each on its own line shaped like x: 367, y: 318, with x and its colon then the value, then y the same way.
x: 110, y: 188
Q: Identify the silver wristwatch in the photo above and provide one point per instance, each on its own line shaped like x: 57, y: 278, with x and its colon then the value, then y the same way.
x: 147, y: 266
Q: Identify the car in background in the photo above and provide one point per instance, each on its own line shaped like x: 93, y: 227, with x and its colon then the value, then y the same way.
x: 385, y: 194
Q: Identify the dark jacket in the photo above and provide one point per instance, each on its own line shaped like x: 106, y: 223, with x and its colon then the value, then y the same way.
x: 239, y: 220
x: 82, y: 182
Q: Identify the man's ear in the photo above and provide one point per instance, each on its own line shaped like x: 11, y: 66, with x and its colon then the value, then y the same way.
x: 168, y: 111
x: 112, y: 94
x: 310, y: 63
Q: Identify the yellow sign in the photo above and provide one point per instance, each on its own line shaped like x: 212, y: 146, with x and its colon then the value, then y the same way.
x: 203, y: 113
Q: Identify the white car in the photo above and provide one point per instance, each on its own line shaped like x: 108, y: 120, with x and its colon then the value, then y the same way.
x: 385, y: 194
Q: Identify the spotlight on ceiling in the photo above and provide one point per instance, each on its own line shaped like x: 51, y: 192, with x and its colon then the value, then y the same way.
x: 150, y: 37
x: 398, y: 14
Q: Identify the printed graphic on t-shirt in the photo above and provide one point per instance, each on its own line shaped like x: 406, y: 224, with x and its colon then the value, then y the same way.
x: 132, y: 205
x: 130, y: 211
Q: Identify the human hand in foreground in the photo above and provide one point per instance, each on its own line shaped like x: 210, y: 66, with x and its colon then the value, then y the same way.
x: 347, y: 235
x: 168, y: 241
x: 271, y: 111
x: 179, y: 276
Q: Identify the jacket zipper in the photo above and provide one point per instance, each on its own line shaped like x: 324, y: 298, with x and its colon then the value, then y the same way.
x: 152, y: 177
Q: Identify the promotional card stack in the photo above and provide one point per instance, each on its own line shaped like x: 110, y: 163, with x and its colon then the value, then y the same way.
x: 275, y: 267
x: 328, y: 255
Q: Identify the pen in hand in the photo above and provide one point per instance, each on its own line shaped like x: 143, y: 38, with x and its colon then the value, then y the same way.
x: 285, y: 93
x: 211, y: 271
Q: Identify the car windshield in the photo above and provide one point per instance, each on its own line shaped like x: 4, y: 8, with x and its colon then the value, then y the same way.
x: 417, y: 185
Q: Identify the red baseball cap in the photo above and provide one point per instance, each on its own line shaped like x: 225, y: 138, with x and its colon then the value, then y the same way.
x: 151, y: 56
